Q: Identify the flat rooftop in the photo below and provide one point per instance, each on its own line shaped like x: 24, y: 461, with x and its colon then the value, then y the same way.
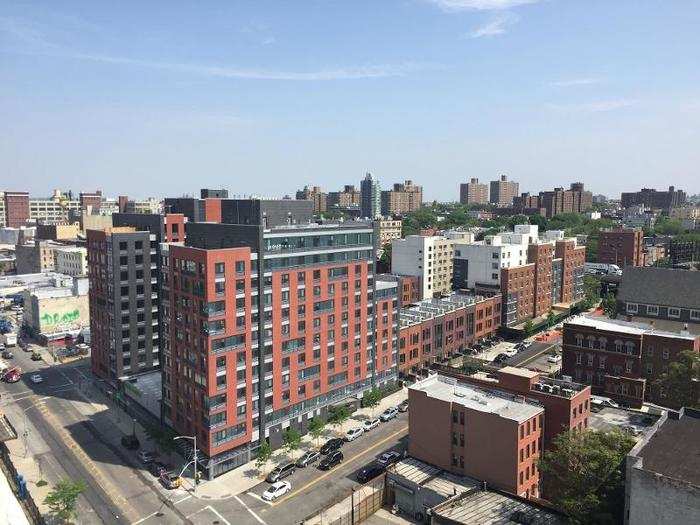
x: 674, y: 449
x: 429, y: 476
x: 449, y: 389
x: 626, y: 327
x: 521, y: 372
x: 431, y: 308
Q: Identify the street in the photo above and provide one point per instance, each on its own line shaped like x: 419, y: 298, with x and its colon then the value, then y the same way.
x: 72, y: 431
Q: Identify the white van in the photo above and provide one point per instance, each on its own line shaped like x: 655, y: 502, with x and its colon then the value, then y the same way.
x: 602, y: 402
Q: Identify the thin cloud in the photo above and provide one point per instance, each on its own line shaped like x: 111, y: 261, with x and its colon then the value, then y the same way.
x: 268, y: 41
x: 600, y: 106
x: 29, y: 41
x: 496, y: 26
x: 575, y: 82
x: 479, y: 5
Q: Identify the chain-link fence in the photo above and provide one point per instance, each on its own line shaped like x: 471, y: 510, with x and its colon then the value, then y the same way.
x: 355, y: 508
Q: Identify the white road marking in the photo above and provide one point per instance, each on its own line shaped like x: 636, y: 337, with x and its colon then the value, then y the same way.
x: 183, y: 499
x: 253, y: 495
x: 260, y: 520
x: 221, y: 517
x: 144, y: 519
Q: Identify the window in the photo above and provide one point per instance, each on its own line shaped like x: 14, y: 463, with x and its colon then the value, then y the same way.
x: 674, y: 312
x: 652, y: 309
x: 695, y: 315
x: 632, y: 308
x: 665, y: 353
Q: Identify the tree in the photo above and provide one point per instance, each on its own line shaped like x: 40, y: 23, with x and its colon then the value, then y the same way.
x: 338, y: 416
x: 610, y: 306
x: 264, y: 454
x: 371, y: 399
x: 583, y: 474
x: 551, y: 319
x: 678, y: 383
x: 529, y: 327
x: 63, y: 498
x: 162, y: 438
x: 291, y: 439
x: 316, y: 428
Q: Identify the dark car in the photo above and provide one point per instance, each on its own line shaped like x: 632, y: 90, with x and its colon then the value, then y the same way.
x: 403, y: 406
x: 157, y: 468
x: 309, y: 457
x: 331, y: 445
x: 280, y: 471
x: 36, y: 356
x: 331, y: 460
x: 130, y: 442
x: 7, y: 354
x: 500, y: 358
x: 370, y: 472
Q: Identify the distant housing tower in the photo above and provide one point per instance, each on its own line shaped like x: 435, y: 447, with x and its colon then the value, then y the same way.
x: 370, y: 197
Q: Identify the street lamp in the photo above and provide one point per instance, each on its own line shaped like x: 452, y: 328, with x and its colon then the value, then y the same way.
x: 194, y: 459
x: 25, y: 433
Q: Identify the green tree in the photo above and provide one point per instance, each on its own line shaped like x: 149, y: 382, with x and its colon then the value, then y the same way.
x: 162, y: 438
x: 385, y: 259
x: 291, y: 439
x: 371, y: 399
x: 551, y: 319
x: 583, y: 474
x: 678, y: 382
x: 529, y: 328
x: 338, y: 416
x: 63, y: 498
x: 264, y: 454
x: 316, y: 428
x: 610, y: 306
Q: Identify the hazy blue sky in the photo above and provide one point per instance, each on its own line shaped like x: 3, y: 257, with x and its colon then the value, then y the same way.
x: 162, y: 98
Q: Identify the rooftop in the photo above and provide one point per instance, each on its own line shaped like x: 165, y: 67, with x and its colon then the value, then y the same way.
x: 680, y: 288
x: 522, y: 372
x: 448, y: 389
x: 432, y: 477
x: 626, y: 327
x: 431, y: 308
x: 674, y: 449
x: 485, y: 507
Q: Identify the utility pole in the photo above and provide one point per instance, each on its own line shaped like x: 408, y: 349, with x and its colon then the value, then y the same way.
x: 194, y: 459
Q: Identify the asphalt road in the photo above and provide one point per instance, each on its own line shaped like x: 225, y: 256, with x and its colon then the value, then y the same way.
x: 71, y: 444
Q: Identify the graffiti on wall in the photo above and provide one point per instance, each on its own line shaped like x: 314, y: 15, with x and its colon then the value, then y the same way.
x: 51, y: 319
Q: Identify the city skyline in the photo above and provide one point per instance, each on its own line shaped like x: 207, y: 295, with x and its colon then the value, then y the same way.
x: 263, y: 101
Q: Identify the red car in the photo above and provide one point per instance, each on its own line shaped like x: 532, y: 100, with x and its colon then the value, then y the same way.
x: 12, y: 375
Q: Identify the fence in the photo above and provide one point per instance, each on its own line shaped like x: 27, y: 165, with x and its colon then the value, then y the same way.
x: 356, y: 508
x: 30, y: 508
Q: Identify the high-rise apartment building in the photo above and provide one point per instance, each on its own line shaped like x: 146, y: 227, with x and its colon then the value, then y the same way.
x: 621, y: 246
x: 531, y: 274
x: 315, y: 195
x: 503, y: 191
x: 208, y: 193
x: 269, y: 327
x: 574, y: 200
x: 16, y: 204
x: 90, y: 201
x: 651, y: 198
x: 370, y: 197
x: 473, y: 192
x: 349, y: 197
x: 427, y: 257
x: 402, y: 199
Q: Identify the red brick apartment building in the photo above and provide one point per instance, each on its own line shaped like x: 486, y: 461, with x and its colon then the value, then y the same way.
x: 622, y: 359
x: 484, y: 434
x: 437, y: 328
x: 621, y: 246
x: 16, y: 208
x: 270, y: 326
x: 566, y: 404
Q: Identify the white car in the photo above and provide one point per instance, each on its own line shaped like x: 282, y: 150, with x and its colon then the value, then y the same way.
x: 389, y: 413
x: 36, y: 378
x: 554, y: 358
x: 370, y: 424
x: 511, y: 352
x: 277, y: 489
x: 353, y: 433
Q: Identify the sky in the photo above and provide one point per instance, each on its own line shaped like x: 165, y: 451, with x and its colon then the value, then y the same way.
x: 161, y: 98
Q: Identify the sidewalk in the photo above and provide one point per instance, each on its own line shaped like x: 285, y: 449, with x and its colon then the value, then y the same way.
x: 245, y: 477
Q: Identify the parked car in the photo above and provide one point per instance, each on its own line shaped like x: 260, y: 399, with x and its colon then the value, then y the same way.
x: 36, y: 378
x: 500, y: 358
x: 309, y: 457
x: 331, y: 445
x: 370, y: 471
x: 147, y: 457
x: 12, y: 375
x: 280, y: 472
x: 36, y: 356
x: 7, y: 354
x: 353, y: 434
x: 170, y: 480
x: 331, y: 460
x: 510, y: 352
x: 602, y: 402
x: 389, y: 413
x: 274, y: 491
x: 130, y: 442
x: 403, y: 406
x: 388, y: 458
x: 556, y: 358
x: 157, y: 468
x: 370, y: 424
